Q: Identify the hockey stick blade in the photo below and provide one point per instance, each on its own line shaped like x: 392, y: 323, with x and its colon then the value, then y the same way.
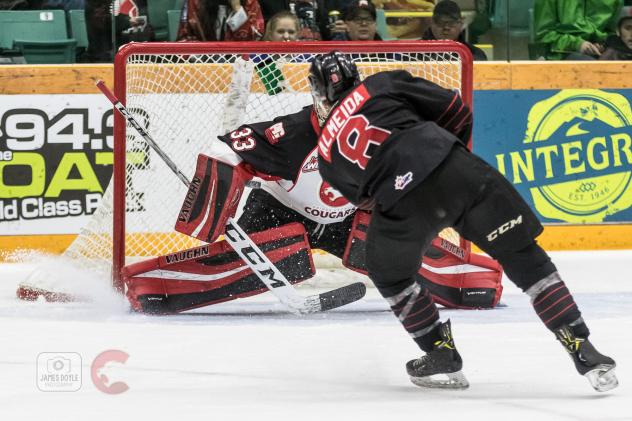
x: 341, y: 296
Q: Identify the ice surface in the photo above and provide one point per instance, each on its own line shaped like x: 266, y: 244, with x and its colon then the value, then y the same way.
x: 249, y: 360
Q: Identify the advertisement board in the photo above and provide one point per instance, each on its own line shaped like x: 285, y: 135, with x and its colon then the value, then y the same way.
x: 568, y: 152
x: 55, y: 161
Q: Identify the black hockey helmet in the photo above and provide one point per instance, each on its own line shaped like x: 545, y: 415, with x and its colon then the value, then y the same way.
x: 330, y: 76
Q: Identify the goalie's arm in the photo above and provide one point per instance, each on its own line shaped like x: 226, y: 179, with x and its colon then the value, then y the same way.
x: 275, y: 149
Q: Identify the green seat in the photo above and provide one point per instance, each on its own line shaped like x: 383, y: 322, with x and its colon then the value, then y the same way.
x: 78, y: 28
x: 47, y: 52
x: 173, y: 17
x: 381, y: 26
x: 40, y: 35
x: 158, y: 19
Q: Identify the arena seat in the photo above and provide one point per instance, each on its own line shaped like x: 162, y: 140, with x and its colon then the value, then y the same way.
x: 158, y: 17
x: 78, y: 28
x: 173, y: 17
x: 41, y: 36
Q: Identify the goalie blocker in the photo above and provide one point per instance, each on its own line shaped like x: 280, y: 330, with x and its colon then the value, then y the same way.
x: 212, y: 198
x: 455, y: 277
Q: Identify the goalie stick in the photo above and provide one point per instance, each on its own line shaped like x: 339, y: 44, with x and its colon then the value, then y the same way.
x: 250, y: 253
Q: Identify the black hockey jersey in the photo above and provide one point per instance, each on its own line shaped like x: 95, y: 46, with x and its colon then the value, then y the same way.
x: 283, y: 151
x: 388, y: 134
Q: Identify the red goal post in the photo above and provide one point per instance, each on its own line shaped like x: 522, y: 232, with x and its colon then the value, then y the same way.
x: 188, y: 93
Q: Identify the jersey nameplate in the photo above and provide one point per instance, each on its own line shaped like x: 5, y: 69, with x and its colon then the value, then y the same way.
x: 338, y: 118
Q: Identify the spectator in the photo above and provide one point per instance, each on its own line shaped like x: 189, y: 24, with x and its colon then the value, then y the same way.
x: 358, y: 23
x: 99, y: 31
x: 575, y: 29
x: 283, y: 26
x: 130, y: 22
x: 447, y: 23
x: 221, y: 20
x: 319, y: 21
x: 619, y: 47
x: 306, y: 12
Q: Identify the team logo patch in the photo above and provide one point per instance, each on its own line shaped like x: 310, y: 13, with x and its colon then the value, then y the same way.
x: 311, y: 165
x: 331, y: 196
x: 401, y: 181
x: 275, y: 132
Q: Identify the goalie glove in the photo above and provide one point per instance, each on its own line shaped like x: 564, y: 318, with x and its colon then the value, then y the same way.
x: 212, y: 198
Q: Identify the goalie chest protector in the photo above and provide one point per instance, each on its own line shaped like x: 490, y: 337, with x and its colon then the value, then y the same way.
x: 283, y: 152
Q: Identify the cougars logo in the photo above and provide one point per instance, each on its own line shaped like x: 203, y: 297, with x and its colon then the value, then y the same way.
x: 331, y: 196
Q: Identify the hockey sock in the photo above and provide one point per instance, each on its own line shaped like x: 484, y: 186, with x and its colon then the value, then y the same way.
x: 418, y: 313
x: 555, y: 305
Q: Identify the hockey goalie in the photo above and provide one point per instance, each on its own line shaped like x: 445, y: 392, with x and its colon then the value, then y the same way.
x: 292, y: 213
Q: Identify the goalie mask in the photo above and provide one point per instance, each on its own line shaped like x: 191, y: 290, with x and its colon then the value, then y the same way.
x: 330, y: 76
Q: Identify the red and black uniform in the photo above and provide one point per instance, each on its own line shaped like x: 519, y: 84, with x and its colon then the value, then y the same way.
x: 394, y: 143
x: 283, y: 152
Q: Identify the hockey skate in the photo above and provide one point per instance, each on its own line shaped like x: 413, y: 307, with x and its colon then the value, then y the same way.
x: 597, y: 368
x: 441, y: 367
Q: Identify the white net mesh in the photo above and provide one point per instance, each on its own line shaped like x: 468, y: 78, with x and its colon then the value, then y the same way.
x: 186, y: 100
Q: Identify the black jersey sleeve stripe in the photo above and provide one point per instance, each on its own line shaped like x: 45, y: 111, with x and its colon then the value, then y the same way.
x: 445, y: 112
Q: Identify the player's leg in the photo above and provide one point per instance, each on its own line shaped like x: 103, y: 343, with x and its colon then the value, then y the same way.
x: 396, y: 241
x: 503, y: 225
x: 442, y: 269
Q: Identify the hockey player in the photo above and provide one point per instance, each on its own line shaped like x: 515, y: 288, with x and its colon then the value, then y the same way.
x: 385, y: 147
x: 283, y: 153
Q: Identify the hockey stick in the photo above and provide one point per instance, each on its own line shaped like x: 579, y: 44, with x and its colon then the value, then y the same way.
x: 250, y: 253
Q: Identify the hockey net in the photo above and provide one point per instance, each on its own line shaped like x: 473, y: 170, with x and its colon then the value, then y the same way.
x: 186, y: 94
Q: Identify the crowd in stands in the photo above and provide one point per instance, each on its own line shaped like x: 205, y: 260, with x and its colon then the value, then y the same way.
x: 582, y: 29
x: 562, y: 29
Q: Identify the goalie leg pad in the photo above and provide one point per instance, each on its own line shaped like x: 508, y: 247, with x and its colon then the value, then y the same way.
x: 212, y: 198
x: 214, y: 273
x: 458, y: 279
x: 454, y: 277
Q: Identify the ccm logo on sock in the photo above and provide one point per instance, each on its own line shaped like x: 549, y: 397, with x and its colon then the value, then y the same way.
x: 504, y: 228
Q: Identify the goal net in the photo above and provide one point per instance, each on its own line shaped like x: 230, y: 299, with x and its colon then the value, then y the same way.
x: 185, y: 95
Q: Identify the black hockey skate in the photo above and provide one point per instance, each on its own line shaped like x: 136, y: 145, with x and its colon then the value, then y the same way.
x: 441, y: 367
x: 597, y: 368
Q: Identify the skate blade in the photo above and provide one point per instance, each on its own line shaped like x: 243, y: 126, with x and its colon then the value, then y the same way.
x: 455, y: 381
x: 602, y: 378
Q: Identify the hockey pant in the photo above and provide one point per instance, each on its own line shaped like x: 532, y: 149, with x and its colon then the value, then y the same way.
x: 468, y: 194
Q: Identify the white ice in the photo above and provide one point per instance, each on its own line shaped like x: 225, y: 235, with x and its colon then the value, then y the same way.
x: 249, y: 360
